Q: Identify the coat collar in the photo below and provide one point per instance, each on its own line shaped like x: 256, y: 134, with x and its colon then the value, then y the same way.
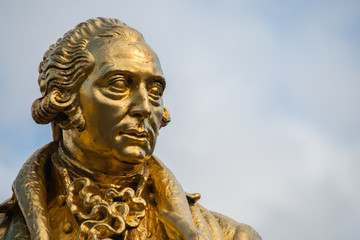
x: 30, y: 191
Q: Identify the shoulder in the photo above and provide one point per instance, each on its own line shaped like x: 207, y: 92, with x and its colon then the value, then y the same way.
x: 230, y: 229
x: 234, y: 230
x: 12, y: 222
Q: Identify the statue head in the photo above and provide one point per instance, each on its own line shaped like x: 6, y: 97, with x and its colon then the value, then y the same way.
x: 102, y: 89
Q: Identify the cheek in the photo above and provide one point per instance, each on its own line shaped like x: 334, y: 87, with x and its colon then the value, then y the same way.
x: 101, y: 115
x: 158, y: 114
x: 108, y: 110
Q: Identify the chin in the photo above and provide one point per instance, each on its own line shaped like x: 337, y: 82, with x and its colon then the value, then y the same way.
x: 133, y: 155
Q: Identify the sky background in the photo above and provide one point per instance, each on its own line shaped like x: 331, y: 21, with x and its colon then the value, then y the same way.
x: 263, y: 95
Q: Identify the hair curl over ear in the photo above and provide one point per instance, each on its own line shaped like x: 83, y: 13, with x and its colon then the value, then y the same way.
x: 66, y: 65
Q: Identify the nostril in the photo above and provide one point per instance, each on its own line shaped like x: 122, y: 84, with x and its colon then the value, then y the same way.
x: 138, y: 115
x: 140, y: 112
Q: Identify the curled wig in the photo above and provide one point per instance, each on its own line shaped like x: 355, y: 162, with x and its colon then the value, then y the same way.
x: 66, y: 64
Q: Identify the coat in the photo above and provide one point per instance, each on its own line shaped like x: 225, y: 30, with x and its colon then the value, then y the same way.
x: 26, y: 214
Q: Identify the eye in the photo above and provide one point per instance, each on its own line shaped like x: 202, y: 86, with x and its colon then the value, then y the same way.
x: 118, y: 84
x: 155, y: 90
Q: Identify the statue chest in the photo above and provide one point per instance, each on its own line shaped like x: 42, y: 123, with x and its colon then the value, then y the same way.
x: 65, y: 225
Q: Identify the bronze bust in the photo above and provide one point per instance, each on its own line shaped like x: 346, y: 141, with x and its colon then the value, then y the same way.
x: 102, y: 88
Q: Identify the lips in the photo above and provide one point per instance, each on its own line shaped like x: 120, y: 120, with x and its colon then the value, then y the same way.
x: 136, y: 135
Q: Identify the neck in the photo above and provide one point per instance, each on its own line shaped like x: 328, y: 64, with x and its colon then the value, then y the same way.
x: 75, y: 169
x: 104, y: 163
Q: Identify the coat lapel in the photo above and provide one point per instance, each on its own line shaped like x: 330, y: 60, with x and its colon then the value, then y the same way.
x: 30, y: 191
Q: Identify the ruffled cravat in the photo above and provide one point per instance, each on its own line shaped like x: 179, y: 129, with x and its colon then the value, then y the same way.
x: 105, y: 206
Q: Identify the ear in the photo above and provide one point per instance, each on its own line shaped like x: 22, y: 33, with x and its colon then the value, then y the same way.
x: 166, y: 118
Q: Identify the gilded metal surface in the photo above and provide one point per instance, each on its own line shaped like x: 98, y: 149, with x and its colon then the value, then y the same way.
x: 102, y: 89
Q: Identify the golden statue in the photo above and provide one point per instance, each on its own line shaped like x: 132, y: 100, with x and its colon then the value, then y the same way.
x: 102, y: 88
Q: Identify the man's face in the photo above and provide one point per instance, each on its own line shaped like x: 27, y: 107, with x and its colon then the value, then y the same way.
x: 121, y: 102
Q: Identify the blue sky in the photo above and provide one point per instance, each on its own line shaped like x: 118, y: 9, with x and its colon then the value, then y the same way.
x: 264, y: 98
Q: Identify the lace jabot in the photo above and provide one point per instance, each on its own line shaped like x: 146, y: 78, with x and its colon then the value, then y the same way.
x: 105, y: 206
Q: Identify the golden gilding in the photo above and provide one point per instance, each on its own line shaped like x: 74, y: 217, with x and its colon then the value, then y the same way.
x: 102, y: 90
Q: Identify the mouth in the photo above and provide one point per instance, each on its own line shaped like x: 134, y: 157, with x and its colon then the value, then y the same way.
x: 136, y: 135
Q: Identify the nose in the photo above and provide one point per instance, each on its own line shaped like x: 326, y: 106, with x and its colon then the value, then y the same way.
x: 140, y: 106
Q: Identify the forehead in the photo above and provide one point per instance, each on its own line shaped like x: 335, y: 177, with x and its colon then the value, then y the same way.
x: 123, y: 55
